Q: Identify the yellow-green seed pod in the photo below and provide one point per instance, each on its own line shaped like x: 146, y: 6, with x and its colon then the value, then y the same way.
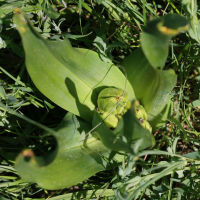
x: 140, y: 112
x: 111, y: 121
x: 146, y: 125
x: 119, y: 116
x: 128, y: 105
x: 108, y: 99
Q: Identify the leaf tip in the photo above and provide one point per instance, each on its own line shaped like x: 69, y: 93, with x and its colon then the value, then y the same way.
x: 169, y: 31
x: 18, y: 13
x: 172, y: 24
x: 27, y: 153
x: 17, y: 10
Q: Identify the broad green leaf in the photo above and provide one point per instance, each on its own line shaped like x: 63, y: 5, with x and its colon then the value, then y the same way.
x: 130, y: 127
x: 156, y: 35
x: 108, y: 138
x: 152, y: 87
x: 50, y: 12
x: 76, y: 158
x: 71, y: 77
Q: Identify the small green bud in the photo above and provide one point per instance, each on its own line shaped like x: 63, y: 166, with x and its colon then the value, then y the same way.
x: 128, y: 105
x: 126, y: 16
x: 119, y: 116
x: 142, y: 116
x: 111, y: 121
x: 146, y: 125
x: 140, y: 112
x: 107, y: 100
x: 106, y: 105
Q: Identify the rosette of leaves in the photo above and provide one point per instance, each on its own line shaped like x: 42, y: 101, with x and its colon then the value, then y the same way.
x: 73, y: 78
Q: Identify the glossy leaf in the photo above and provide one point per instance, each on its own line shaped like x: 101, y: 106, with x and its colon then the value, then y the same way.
x: 108, y: 138
x: 130, y: 127
x: 152, y: 87
x: 76, y: 158
x: 50, y: 12
x: 156, y: 35
x: 70, y: 77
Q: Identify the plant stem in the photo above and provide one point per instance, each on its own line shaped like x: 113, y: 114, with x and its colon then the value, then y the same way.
x: 170, y: 185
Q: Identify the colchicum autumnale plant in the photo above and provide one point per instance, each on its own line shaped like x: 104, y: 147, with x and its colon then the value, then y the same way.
x: 90, y: 90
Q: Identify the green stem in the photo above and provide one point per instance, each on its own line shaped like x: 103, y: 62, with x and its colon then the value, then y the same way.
x: 174, y: 7
x: 172, y: 175
x: 170, y: 185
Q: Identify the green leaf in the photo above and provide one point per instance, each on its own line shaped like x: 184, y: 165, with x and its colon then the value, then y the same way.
x: 191, y: 8
x: 130, y: 127
x: 75, y: 159
x: 152, y: 87
x: 70, y: 77
x: 108, y: 138
x: 8, y: 8
x: 89, y: 194
x: 47, y: 25
x: 194, y: 155
x: 158, y: 176
x: 195, y: 103
x: 50, y: 12
x: 156, y: 35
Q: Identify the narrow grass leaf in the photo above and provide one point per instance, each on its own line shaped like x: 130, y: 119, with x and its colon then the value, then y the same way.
x: 160, y: 175
x: 90, y: 194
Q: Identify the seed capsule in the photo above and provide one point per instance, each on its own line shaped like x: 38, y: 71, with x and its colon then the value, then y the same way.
x: 108, y: 99
x: 140, y: 112
x: 146, y: 125
x: 111, y: 121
